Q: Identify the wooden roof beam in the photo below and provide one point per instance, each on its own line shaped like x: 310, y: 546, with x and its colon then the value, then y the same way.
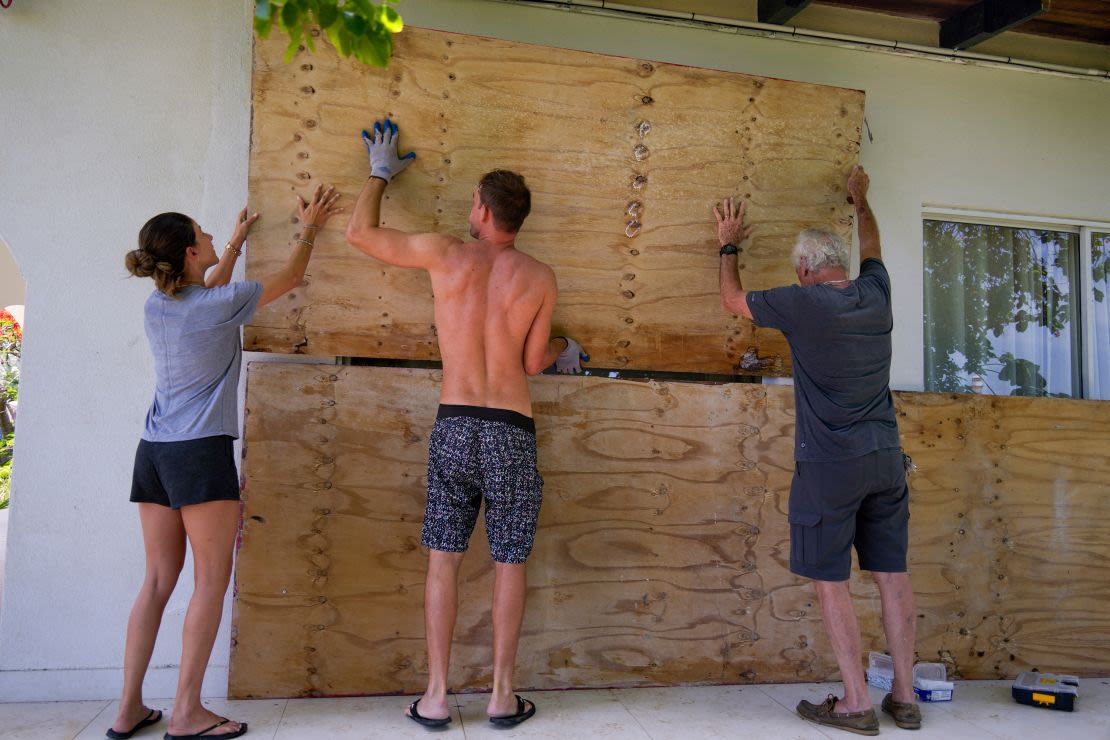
x: 985, y: 19
x: 780, y: 11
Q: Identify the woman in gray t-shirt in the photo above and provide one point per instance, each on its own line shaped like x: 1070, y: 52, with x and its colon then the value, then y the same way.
x: 185, y: 481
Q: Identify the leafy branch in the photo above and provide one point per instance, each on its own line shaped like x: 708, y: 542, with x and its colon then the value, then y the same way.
x: 358, y: 28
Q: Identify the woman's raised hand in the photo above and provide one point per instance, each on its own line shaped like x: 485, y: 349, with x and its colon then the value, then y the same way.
x: 322, y: 206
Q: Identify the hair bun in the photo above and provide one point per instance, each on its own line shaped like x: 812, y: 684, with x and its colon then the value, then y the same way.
x: 140, y: 263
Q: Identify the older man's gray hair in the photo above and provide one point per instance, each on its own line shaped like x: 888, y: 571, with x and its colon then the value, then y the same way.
x: 821, y: 249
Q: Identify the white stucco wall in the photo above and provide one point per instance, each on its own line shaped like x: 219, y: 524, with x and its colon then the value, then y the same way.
x: 116, y: 111
x: 12, y: 287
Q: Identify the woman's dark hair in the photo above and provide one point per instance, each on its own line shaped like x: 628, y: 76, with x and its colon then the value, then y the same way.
x: 507, y: 197
x: 161, y: 253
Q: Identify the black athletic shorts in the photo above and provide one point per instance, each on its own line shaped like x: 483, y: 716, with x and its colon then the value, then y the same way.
x: 474, y: 453
x: 177, y: 474
x: 864, y: 502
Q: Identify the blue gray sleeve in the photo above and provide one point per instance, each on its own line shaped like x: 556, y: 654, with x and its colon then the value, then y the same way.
x: 233, y: 303
x: 777, y: 308
x: 874, y: 271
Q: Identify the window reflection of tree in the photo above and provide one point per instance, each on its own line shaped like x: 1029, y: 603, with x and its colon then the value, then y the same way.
x: 984, y: 286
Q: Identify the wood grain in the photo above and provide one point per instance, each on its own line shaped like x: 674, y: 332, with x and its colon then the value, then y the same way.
x: 570, y: 123
x: 663, y: 545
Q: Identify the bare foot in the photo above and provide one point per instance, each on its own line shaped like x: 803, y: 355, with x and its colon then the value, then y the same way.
x: 199, y: 721
x: 130, y: 717
x: 842, y: 707
x: 502, y: 706
x: 431, y: 708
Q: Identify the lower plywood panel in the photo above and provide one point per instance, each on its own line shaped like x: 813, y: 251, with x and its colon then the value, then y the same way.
x: 663, y: 543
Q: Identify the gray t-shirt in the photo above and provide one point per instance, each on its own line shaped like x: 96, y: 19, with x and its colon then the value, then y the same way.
x: 197, y: 354
x: 840, y: 345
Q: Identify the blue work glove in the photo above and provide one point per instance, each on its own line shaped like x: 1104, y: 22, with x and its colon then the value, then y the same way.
x: 569, y: 361
x: 382, y: 148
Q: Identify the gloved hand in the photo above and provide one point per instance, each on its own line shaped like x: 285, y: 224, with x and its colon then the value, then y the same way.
x: 382, y: 148
x: 569, y: 361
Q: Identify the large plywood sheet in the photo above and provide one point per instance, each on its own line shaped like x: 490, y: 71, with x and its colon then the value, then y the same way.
x: 663, y: 543
x: 603, y: 141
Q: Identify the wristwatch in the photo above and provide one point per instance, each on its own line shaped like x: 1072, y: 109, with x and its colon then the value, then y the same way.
x: 730, y: 249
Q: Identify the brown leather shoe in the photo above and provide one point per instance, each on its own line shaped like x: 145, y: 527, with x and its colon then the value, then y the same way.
x: 861, y: 723
x: 906, y: 716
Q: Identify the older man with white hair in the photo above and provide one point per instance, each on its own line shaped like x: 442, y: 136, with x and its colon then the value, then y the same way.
x: 849, y: 488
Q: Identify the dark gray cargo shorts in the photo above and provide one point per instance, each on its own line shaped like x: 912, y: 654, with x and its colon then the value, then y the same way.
x: 862, y: 502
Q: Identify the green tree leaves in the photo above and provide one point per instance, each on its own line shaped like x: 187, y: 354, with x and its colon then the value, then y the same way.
x: 358, y: 28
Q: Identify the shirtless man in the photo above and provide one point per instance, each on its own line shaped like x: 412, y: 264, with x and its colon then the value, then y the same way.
x: 493, y: 309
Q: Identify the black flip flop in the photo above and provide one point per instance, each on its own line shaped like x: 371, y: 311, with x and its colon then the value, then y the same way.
x: 201, y: 736
x: 522, y: 713
x: 426, y: 721
x: 147, y: 722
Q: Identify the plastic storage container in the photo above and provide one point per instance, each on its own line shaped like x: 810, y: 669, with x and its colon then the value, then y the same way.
x: 880, y: 671
x: 930, y: 680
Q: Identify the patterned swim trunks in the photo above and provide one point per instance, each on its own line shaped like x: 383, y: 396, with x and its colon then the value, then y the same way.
x: 474, y: 453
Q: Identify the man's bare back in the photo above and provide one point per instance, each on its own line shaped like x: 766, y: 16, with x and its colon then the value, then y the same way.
x: 493, y: 303
x: 488, y: 304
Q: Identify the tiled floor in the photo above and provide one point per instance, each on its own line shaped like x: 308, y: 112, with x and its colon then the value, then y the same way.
x: 982, y: 710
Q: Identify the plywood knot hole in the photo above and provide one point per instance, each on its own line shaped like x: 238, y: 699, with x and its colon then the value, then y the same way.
x: 304, y: 176
x: 635, y: 208
x: 629, y: 320
x: 647, y: 67
x: 302, y: 155
x: 306, y: 67
x: 638, y: 182
x: 643, y: 128
x: 634, y: 252
x: 647, y: 100
x: 751, y: 360
x: 632, y: 229
x: 310, y: 123
x: 451, y: 76
x: 640, y: 153
x: 308, y: 89
x: 628, y: 294
x: 259, y: 519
